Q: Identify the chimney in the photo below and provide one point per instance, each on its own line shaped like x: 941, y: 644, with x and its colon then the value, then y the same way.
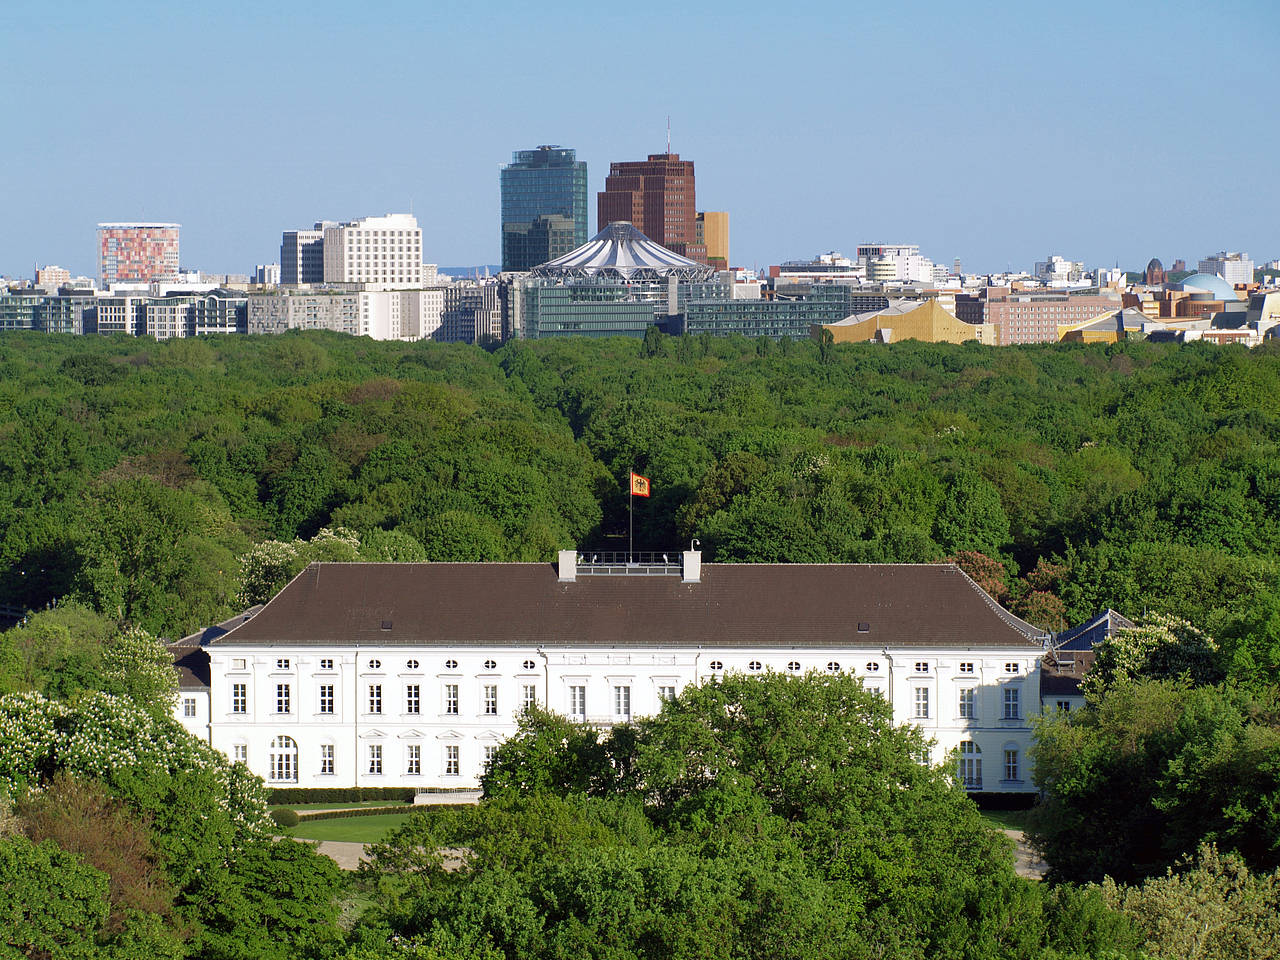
x: 692, y: 566
x: 568, y: 566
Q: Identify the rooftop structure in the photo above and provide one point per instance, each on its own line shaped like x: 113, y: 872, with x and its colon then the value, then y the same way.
x: 622, y: 252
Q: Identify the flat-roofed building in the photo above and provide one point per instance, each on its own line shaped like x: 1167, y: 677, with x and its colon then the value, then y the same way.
x: 137, y: 252
x: 386, y: 251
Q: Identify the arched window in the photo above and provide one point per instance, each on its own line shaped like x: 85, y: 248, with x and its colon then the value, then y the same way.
x: 282, y: 761
x: 970, y: 765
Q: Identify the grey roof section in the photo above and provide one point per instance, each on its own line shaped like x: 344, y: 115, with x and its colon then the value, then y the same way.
x: 621, y: 252
x: 189, y: 657
x: 733, y: 605
x: 1085, y: 636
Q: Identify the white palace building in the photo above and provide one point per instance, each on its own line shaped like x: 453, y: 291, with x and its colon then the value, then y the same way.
x: 411, y: 674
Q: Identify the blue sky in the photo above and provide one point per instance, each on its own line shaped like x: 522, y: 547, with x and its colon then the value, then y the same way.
x: 994, y: 132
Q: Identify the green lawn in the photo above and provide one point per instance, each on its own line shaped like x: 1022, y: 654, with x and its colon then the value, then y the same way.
x: 352, y: 829
x: 1006, y: 819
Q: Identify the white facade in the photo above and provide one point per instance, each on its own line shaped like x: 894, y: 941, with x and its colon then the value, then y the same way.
x: 311, y: 713
x: 430, y: 716
x: 381, y: 250
x: 1230, y: 266
x: 1059, y: 272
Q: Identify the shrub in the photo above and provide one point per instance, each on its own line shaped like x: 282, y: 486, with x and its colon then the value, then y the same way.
x: 285, y: 817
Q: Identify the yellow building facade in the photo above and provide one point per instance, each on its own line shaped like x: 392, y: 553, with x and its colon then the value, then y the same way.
x: 927, y: 322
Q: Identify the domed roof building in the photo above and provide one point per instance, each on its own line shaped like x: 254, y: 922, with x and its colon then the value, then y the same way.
x: 621, y: 252
x: 1207, y: 283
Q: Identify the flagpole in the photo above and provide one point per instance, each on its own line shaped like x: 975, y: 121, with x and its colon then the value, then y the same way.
x: 631, y: 515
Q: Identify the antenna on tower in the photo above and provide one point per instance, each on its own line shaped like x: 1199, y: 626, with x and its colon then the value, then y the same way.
x: 668, y: 133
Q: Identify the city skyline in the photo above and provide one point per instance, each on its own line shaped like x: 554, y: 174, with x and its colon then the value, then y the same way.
x: 995, y: 135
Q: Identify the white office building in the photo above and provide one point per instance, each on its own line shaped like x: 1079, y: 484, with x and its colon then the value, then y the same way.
x: 1230, y: 266
x: 386, y: 251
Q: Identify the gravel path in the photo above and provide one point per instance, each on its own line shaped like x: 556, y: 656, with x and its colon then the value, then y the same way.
x: 1027, y: 862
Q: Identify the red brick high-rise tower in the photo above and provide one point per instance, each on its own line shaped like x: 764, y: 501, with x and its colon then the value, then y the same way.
x: 657, y: 197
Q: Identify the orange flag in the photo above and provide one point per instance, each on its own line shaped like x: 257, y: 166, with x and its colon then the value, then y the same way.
x: 639, y: 485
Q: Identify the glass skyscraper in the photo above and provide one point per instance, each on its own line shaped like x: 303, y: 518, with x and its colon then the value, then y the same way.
x: 544, y: 206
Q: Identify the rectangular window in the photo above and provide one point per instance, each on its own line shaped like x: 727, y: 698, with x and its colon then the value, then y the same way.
x: 578, y: 702
x: 326, y: 698
x: 970, y: 770
x: 490, y: 752
x: 326, y: 664
x: 966, y: 667
x: 622, y: 703
x: 450, y: 698
x: 282, y: 663
x: 922, y: 702
x: 1011, y: 765
x: 375, y: 698
x: 451, y: 763
x: 326, y: 759
x: 413, y: 760
x: 375, y: 758
x: 666, y: 693
x: 491, y: 698
x: 240, y: 753
x: 968, y: 703
x: 1011, y: 697
x: 412, y: 699
x: 237, y: 663
x: 529, y: 693
x: 239, y: 698
x: 922, y: 666
x: 282, y: 698
x: 1064, y: 706
x: 188, y: 706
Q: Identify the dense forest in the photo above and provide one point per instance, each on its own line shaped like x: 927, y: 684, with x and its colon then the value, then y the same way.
x: 147, y: 489
x: 1141, y: 477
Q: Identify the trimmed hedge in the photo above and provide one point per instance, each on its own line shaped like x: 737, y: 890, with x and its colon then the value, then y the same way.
x: 360, y: 812
x: 296, y: 795
x: 285, y: 817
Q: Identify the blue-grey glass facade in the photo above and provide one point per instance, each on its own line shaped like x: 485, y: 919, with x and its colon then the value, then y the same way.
x: 788, y: 313
x: 544, y: 206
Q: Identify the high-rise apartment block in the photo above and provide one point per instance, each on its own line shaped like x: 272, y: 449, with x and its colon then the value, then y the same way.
x: 1231, y: 267
x: 137, y: 252
x: 544, y: 206
x: 302, y: 255
x: 657, y: 197
x: 377, y: 250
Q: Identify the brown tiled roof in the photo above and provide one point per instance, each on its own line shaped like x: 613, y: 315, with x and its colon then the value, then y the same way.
x: 492, y: 604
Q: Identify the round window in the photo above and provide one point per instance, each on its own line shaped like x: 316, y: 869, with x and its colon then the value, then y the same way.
x: 490, y: 664
x: 451, y: 664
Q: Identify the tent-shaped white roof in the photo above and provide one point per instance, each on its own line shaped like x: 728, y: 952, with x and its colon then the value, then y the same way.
x: 621, y: 252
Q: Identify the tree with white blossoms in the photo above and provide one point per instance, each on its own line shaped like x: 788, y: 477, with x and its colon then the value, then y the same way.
x: 266, y: 568
x: 118, y: 741
x: 137, y: 664
x: 1159, y: 648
